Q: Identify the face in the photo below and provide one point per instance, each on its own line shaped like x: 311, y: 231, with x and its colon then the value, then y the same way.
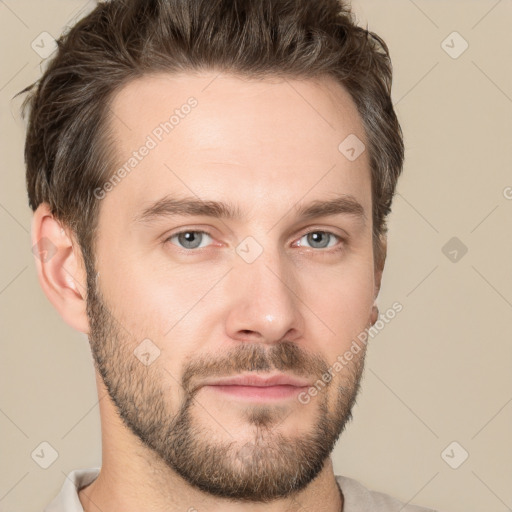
x: 238, y: 244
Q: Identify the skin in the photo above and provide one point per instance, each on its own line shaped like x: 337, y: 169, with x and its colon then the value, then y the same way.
x: 266, y: 147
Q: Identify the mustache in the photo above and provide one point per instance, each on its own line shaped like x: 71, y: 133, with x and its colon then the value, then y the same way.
x: 285, y: 356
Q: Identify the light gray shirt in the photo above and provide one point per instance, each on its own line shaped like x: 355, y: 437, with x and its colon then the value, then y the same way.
x: 357, y: 498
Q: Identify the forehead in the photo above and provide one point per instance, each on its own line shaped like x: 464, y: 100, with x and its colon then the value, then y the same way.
x: 267, y: 141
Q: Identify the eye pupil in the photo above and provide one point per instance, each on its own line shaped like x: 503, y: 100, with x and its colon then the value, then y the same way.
x: 315, y: 239
x: 190, y: 239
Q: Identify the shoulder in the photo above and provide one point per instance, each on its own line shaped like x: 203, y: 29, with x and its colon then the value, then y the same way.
x: 357, y: 498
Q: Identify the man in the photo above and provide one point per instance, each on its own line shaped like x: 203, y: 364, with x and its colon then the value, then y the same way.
x: 210, y: 183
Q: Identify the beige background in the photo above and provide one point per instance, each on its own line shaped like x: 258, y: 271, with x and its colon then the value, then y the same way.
x: 438, y: 373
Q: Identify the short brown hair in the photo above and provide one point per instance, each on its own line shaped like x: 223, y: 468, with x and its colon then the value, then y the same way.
x: 67, y: 152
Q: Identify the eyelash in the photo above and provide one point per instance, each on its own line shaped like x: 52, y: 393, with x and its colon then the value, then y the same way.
x: 329, y: 250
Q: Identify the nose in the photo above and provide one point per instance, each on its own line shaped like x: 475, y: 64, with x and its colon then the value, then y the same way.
x: 265, y: 304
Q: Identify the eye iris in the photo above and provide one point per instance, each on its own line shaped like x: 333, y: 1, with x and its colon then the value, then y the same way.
x: 190, y: 239
x: 315, y: 239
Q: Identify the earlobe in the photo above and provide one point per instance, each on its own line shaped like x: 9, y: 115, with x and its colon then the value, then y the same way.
x: 374, y: 315
x: 60, y: 268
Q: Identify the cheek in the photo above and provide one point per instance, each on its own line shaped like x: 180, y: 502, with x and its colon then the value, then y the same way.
x: 148, y: 291
x: 152, y: 307
x: 342, y: 299
x: 165, y: 311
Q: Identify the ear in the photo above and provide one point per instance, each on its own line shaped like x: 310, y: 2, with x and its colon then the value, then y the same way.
x: 380, y: 260
x: 60, y: 268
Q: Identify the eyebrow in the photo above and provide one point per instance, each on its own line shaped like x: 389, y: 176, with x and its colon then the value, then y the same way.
x: 169, y: 206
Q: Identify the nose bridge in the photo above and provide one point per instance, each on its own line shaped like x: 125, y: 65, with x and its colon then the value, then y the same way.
x: 265, y: 304
x: 272, y: 278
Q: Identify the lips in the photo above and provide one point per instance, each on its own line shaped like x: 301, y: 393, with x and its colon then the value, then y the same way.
x: 281, y: 379
x: 258, y: 388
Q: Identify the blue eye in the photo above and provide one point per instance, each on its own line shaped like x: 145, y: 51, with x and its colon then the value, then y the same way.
x: 320, y: 239
x: 189, y: 239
